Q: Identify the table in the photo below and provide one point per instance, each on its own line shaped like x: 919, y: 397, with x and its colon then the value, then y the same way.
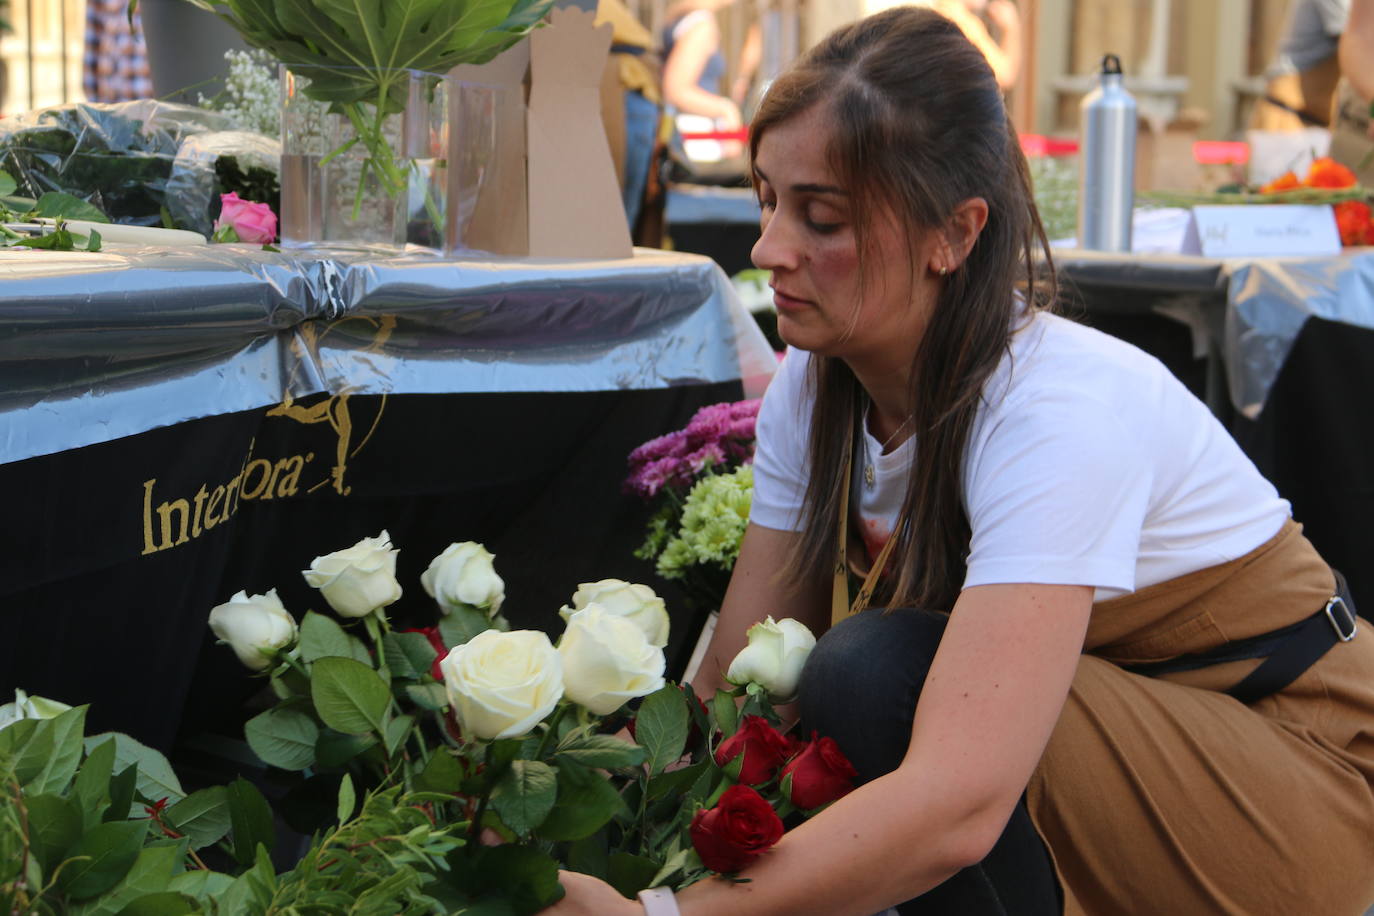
x: 176, y: 425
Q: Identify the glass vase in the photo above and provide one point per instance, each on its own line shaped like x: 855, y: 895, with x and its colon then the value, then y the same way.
x: 362, y: 175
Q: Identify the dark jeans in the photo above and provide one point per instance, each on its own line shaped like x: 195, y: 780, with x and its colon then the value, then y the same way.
x: 860, y: 687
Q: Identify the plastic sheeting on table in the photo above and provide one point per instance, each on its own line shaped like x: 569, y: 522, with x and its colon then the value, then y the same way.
x: 1268, y: 302
x: 98, y: 346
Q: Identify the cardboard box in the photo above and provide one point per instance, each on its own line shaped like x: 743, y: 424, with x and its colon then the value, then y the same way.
x: 552, y: 190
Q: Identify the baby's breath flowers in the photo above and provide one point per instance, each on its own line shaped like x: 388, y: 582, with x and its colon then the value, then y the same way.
x: 251, y: 94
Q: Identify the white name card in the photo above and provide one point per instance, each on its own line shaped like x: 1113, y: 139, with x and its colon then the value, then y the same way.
x: 1262, y: 230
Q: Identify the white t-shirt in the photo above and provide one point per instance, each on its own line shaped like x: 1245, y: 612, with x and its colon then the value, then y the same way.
x: 1088, y: 464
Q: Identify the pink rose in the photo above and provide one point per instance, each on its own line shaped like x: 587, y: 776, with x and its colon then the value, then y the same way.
x: 253, y: 223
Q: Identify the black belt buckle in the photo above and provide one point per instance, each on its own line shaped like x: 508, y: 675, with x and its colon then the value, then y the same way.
x: 1344, y: 631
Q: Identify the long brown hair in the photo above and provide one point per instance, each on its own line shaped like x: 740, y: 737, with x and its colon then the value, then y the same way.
x: 918, y: 126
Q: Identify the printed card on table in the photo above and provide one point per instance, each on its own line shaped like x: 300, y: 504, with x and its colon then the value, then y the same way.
x: 1262, y: 230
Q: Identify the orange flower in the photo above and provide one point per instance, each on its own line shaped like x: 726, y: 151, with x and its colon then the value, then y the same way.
x: 1285, y: 182
x: 1354, y: 220
x: 1328, y: 173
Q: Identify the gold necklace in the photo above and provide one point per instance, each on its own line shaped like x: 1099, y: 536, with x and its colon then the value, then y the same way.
x: 870, y: 475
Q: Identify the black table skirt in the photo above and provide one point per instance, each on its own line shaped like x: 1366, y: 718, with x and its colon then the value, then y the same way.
x: 115, y: 553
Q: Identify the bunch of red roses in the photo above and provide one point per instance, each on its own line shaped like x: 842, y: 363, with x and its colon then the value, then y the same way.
x: 796, y: 775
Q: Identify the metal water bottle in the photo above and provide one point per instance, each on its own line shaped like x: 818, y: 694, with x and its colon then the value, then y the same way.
x: 1106, y: 162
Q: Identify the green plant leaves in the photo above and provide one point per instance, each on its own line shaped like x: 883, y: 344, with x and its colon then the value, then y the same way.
x: 460, y: 624
x: 46, y: 751
x: 321, y: 637
x: 156, y: 780
x: 284, y: 737
x: 628, y: 873
x: 250, y: 820
x: 349, y: 696
x: 100, y: 858
x: 54, y: 825
x: 586, y: 802
x: 203, y: 816
x: 604, y: 751
x: 348, y: 799
x: 60, y: 204
x: 525, y: 795
x: 661, y: 726
x: 408, y: 655
x: 443, y: 773
x: 150, y: 874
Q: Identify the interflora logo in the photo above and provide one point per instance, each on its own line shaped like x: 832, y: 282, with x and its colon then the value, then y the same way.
x: 181, y: 519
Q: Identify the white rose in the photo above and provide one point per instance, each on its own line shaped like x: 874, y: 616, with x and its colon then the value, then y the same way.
x: 29, y: 707
x: 254, y: 626
x: 463, y: 574
x: 607, y: 660
x: 501, y: 685
x: 774, y: 658
x: 637, y: 603
x: 357, y: 580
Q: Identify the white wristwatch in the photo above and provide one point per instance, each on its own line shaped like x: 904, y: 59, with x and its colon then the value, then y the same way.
x: 659, y: 901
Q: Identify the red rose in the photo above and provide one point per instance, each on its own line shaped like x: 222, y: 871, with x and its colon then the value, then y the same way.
x: 736, y: 831
x: 818, y: 775
x: 763, y: 748
x: 1353, y: 220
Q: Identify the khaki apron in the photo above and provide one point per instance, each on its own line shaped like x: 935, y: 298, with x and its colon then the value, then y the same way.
x: 1161, y: 795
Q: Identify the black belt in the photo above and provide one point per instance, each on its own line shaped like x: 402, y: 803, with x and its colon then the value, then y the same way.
x: 1305, y: 117
x: 1287, y: 652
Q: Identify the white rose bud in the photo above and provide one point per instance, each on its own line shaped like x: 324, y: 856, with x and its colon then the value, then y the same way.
x: 774, y: 658
x: 607, y: 660
x: 254, y: 626
x: 357, y: 580
x: 463, y: 574
x: 30, y: 707
x: 501, y: 685
x: 636, y: 603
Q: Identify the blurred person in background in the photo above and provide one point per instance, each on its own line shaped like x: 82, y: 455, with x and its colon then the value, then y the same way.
x: 693, y: 77
x: 1352, y: 135
x: 115, y: 68
x: 1301, y: 80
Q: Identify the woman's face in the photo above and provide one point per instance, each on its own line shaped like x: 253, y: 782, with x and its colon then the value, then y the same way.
x: 808, y: 243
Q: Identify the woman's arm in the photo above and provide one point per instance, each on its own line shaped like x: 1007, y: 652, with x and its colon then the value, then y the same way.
x: 683, y: 68
x: 1356, y: 48
x: 757, y: 590
x: 991, y: 700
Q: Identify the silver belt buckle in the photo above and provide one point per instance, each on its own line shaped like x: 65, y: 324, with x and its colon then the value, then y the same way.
x: 1336, y: 625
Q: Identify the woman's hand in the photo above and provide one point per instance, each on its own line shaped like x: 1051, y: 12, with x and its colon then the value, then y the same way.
x: 588, y: 896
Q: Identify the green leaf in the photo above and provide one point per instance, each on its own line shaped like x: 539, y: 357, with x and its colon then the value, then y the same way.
x: 322, y: 637
x: 93, y: 241
x: 55, y: 204
x: 443, y: 773
x: 678, y: 782
x: 283, y: 737
x: 123, y: 785
x: 203, y: 816
x: 526, y: 878
x: 586, y: 802
x: 54, y: 825
x: 460, y: 624
x: 675, y: 863
x: 726, y: 712
x: 100, y: 858
x: 661, y: 727
x: 348, y: 799
x: 165, y: 903
x: 156, y: 780
x: 604, y: 751
x: 28, y: 746
x: 334, y: 749
x: 92, y: 786
x: 396, y: 732
x: 349, y: 696
x: 427, y: 696
x: 62, y: 736
x: 7, y: 184
x: 151, y: 873
x: 250, y: 820
x: 525, y: 795
x: 408, y: 655
x: 630, y: 874
x: 201, y: 884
